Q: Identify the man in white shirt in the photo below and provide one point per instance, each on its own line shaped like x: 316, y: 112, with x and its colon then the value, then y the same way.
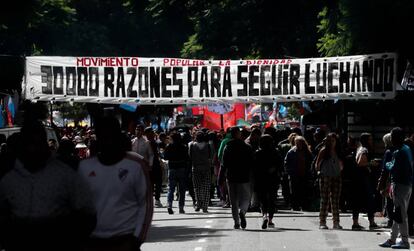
x: 121, y: 192
x: 142, y: 146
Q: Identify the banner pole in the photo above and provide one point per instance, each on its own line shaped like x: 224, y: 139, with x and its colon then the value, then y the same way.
x: 222, y: 121
x: 51, y: 113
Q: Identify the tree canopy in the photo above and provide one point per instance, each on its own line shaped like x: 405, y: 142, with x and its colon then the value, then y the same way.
x: 225, y: 29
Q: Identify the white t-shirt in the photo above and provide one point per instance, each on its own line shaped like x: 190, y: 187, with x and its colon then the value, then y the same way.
x: 119, y: 192
x: 143, y: 147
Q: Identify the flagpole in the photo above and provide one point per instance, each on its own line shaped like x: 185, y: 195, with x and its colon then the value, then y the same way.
x: 222, y: 121
x: 51, y: 113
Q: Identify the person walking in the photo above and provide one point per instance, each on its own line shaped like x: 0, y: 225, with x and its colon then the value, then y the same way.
x: 365, y: 165
x: 121, y: 191
x: 297, y: 164
x: 44, y: 204
x: 401, y: 169
x: 384, y: 182
x: 284, y: 146
x: 142, y: 146
x: 221, y: 181
x: 268, y: 173
x: 254, y: 142
x: 156, y: 171
x: 177, y: 155
x: 237, y: 164
x: 329, y: 166
x: 200, y: 153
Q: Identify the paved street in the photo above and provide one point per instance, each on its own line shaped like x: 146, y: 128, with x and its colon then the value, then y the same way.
x: 294, y: 231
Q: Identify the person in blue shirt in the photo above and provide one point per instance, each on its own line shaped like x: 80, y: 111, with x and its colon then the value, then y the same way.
x: 401, y: 170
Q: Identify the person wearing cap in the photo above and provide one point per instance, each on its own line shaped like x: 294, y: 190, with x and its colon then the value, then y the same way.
x: 142, y: 146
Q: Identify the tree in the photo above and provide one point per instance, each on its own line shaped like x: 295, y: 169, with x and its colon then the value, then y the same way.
x: 26, y: 27
x: 252, y: 29
x: 361, y: 27
x: 76, y: 111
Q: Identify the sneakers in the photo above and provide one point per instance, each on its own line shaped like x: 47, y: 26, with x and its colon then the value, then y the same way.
x: 265, y: 221
x: 337, y: 226
x: 197, y: 209
x: 373, y: 226
x: 387, y: 244
x: 401, y: 245
x: 271, y: 225
x: 205, y: 211
x: 158, y: 203
x: 323, y: 226
x: 243, y: 222
x: 170, y: 211
x: 182, y: 211
x: 236, y: 226
x: 357, y: 227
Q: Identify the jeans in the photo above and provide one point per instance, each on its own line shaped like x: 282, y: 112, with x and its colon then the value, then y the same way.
x: 156, y: 180
x: 401, y: 196
x: 175, y: 176
x: 239, y: 199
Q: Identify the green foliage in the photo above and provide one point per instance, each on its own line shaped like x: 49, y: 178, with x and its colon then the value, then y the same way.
x: 76, y: 111
x: 362, y: 27
x: 293, y: 112
x: 336, y: 39
x: 206, y: 29
x: 192, y: 48
x: 253, y: 28
x: 161, y: 28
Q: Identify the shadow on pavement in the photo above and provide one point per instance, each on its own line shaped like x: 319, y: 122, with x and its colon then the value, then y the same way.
x: 277, y: 229
x: 198, y: 218
x: 179, y: 233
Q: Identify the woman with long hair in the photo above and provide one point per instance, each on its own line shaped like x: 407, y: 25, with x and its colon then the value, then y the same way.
x: 200, y: 154
x: 366, y: 166
x: 297, y: 164
x: 329, y: 165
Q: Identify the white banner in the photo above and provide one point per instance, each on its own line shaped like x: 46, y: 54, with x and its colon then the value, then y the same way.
x: 181, y: 81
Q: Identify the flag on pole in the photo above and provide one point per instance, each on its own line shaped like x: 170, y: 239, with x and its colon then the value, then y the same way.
x: 130, y: 107
x: 306, y: 106
x: 10, y: 111
x: 1, y: 115
x: 10, y: 106
x: 283, y: 111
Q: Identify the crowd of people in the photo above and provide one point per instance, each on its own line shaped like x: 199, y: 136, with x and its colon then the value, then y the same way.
x: 90, y: 180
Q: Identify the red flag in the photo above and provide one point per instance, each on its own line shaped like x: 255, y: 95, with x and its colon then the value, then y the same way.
x: 211, y: 120
x: 9, y: 118
x: 230, y: 118
x: 197, y: 110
